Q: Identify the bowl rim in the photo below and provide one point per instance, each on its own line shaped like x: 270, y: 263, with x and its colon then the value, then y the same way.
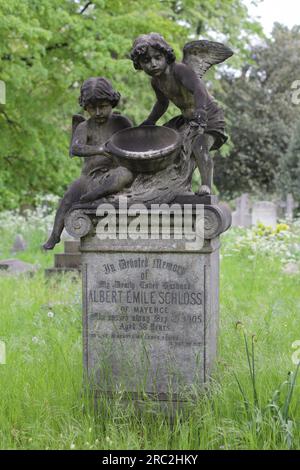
x: 143, y: 156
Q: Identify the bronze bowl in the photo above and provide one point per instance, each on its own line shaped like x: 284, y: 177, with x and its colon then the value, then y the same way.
x: 145, y: 149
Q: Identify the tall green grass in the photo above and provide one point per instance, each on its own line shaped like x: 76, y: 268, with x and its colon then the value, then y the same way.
x: 252, y: 401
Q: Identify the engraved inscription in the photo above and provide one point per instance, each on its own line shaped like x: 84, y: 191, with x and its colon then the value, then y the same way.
x: 146, y: 314
x: 143, y: 304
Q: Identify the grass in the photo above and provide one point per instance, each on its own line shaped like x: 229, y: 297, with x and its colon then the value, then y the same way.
x: 252, y: 402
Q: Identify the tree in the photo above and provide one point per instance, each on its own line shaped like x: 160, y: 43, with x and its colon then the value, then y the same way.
x: 50, y: 46
x: 260, y: 115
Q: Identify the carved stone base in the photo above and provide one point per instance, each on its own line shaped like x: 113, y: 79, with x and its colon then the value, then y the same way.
x: 150, y: 305
x: 67, y: 262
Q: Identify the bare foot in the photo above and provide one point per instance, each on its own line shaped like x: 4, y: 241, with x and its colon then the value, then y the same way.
x: 204, y: 190
x: 50, y: 243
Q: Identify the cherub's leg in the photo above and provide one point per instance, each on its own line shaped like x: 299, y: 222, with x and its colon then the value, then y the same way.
x: 113, y: 182
x: 204, y: 161
x: 71, y: 196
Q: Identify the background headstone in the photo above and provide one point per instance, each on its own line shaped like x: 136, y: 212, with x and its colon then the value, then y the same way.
x: 290, y: 207
x: 286, y: 208
x: 20, y: 244
x: 16, y: 266
x: 264, y: 212
x: 241, y: 217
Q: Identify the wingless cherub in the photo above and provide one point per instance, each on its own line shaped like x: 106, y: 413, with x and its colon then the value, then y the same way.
x: 181, y: 83
x: 100, y: 176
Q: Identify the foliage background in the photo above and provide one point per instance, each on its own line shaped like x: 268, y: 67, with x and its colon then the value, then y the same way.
x: 47, y: 49
x: 262, y: 119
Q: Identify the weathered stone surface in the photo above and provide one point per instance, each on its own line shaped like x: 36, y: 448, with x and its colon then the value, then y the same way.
x: 149, y: 322
x: 72, y: 246
x: 69, y: 261
x: 264, y: 212
x: 20, y: 244
x: 291, y: 205
x: 15, y: 266
x: 65, y: 236
x: 150, y: 314
x: 83, y: 221
x: 241, y: 217
x: 73, y: 272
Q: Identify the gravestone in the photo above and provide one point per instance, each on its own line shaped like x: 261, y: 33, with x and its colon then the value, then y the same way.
x: 241, y: 217
x: 150, y: 305
x: 16, y: 267
x: 264, y: 212
x: 286, y: 208
x: 20, y: 244
x: 68, y: 261
x: 291, y: 205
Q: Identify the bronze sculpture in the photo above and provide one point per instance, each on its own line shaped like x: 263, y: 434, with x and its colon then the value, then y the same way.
x: 136, y: 162
x: 181, y: 83
x: 100, y: 175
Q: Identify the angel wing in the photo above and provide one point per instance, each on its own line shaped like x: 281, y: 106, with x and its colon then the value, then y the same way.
x: 76, y: 119
x: 201, y: 55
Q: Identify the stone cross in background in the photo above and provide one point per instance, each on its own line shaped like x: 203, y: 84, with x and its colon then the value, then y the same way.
x: 291, y: 205
x: 265, y: 212
x: 241, y: 217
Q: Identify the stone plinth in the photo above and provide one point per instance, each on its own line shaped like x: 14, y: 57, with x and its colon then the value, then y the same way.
x: 67, y: 262
x: 150, y: 305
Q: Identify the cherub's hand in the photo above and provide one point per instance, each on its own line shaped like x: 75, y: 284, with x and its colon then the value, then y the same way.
x: 102, y: 150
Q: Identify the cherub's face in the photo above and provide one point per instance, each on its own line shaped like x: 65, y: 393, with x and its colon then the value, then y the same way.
x: 154, y: 62
x: 100, y: 111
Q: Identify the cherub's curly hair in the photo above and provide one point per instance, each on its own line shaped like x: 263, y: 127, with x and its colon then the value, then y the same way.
x: 155, y: 40
x: 95, y: 89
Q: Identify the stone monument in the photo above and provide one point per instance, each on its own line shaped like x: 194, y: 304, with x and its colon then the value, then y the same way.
x: 264, y: 212
x: 149, y: 245
x: 67, y: 262
x: 241, y: 217
x: 150, y: 304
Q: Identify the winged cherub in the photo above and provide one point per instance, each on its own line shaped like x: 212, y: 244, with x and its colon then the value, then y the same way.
x: 99, y: 176
x: 181, y: 83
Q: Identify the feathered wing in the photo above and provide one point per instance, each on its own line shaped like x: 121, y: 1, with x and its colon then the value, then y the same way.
x: 201, y: 55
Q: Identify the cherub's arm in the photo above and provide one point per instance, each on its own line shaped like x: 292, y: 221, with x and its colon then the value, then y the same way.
x: 79, y: 148
x: 159, y: 108
x: 192, y: 82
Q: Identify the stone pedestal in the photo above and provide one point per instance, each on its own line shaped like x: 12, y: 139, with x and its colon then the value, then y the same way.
x: 68, y: 261
x: 150, y: 305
